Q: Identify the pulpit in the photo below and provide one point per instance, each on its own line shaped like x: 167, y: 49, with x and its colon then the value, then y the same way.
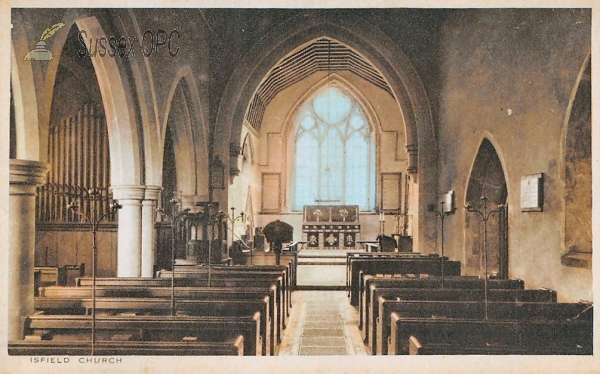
x: 331, y: 226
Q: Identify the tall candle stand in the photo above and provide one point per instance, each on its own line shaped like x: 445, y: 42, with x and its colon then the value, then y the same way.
x: 441, y: 214
x: 175, y: 216
x: 212, y: 219
x: 485, y: 216
x: 94, y: 218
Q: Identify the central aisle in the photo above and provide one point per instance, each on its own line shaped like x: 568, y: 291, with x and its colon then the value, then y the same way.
x: 322, y: 323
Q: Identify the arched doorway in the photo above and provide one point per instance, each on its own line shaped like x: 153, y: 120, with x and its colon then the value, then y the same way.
x: 487, y: 180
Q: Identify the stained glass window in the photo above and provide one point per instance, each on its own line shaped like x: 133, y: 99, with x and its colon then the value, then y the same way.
x: 335, y: 155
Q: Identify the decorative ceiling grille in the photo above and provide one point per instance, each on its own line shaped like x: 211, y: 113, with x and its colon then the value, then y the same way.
x: 323, y: 54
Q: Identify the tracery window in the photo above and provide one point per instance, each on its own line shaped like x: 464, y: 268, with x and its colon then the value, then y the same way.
x: 335, y: 155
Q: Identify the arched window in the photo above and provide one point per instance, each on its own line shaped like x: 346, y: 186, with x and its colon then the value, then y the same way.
x: 335, y: 155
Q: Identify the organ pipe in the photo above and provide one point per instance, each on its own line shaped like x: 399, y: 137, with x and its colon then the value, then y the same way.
x: 78, y: 152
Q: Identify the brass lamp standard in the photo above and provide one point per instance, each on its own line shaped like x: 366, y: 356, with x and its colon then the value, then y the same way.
x: 485, y: 216
x: 442, y: 214
x: 175, y: 216
x: 212, y: 219
x: 94, y: 219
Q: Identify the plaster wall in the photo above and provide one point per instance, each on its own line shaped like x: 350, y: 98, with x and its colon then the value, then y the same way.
x: 507, y: 75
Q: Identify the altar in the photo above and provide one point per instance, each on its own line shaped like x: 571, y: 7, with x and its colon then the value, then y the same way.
x: 331, y: 226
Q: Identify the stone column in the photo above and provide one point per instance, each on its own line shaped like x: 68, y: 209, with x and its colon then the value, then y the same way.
x: 25, y: 176
x: 129, y: 258
x: 148, y: 230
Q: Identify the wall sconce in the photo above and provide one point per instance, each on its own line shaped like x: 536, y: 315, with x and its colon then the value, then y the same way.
x: 449, y: 206
x: 217, y: 174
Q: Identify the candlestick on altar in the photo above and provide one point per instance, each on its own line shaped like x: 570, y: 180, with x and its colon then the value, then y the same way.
x: 382, y: 223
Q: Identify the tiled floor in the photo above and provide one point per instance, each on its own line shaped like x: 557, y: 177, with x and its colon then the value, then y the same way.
x: 322, y: 323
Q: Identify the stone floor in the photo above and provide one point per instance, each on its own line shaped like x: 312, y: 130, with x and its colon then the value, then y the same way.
x: 322, y: 323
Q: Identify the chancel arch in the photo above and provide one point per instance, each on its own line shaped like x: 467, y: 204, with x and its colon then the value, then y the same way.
x: 405, y: 85
x: 486, y: 192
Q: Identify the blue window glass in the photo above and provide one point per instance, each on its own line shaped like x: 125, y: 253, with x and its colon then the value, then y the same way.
x: 335, y: 155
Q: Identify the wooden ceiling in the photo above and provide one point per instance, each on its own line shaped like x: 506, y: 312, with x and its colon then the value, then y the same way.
x: 322, y: 54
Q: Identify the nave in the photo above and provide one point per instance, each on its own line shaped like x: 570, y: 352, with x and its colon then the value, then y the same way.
x: 407, y: 157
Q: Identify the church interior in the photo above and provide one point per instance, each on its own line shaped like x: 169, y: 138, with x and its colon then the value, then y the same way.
x: 300, y: 182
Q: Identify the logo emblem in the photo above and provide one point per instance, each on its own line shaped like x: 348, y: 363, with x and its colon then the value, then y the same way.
x: 40, y: 53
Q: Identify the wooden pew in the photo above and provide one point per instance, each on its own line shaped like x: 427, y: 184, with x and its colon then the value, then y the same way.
x: 252, y: 271
x: 575, y: 335
x: 472, y: 348
x: 385, y: 271
x: 239, y: 279
x: 146, y: 328
x: 49, y: 294
x: 366, y: 302
x: 397, y: 266
x: 268, y: 258
x: 466, y: 309
x: 228, y: 347
x: 379, y: 324
x: 154, y: 306
x: 350, y: 256
x: 280, y: 296
x: 368, y: 305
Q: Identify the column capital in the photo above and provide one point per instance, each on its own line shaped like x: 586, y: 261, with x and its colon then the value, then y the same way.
x: 413, y: 158
x: 26, y: 176
x: 28, y: 172
x: 128, y: 192
x: 152, y: 192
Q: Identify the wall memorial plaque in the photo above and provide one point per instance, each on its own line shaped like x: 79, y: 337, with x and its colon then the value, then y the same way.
x: 532, y: 193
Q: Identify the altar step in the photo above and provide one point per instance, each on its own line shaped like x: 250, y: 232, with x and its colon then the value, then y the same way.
x: 323, y: 256
x: 321, y: 261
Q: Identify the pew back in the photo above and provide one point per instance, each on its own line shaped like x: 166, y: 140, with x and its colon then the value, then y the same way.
x: 228, y: 347
x: 521, y: 334
x: 471, y: 310
x: 147, y: 328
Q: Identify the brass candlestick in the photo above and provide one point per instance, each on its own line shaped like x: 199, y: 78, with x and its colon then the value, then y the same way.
x: 95, y: 217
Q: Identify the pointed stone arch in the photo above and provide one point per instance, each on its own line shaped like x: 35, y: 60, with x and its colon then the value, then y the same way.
x: 124, y: 138
x: 385, y: 55
x: 191, y: 134
x: 577, y: 151
x: 27, y: 130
